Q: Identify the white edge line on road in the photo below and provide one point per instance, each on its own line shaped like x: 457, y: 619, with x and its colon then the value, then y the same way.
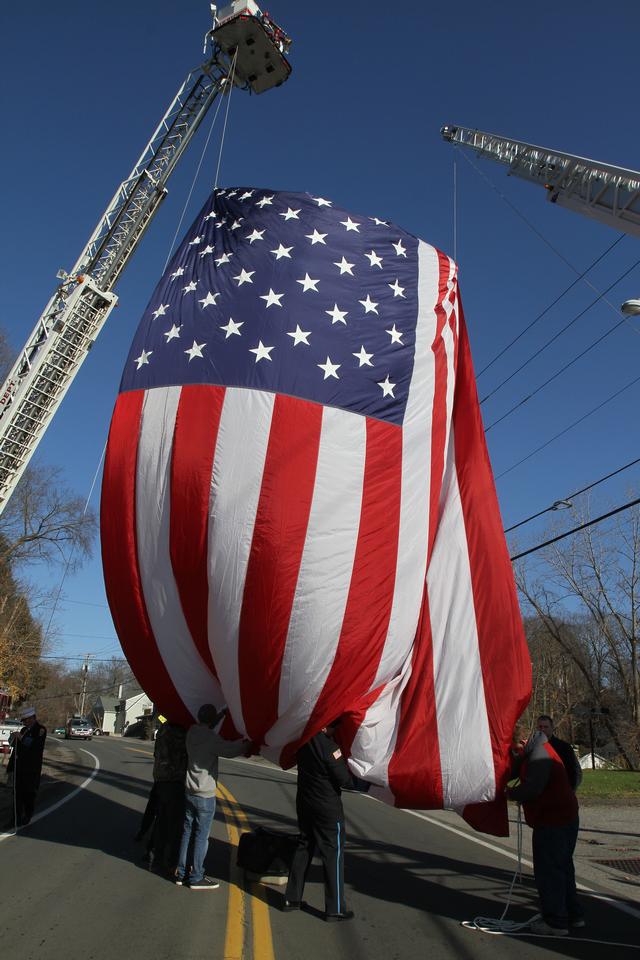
x: 58, y: 803
x: 617, y: 904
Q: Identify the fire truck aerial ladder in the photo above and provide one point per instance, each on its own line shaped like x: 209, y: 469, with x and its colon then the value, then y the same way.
x: 246, y: 48
x: 597, y: 190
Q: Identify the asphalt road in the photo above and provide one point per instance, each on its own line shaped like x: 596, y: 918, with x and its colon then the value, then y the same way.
x: 73, y: 885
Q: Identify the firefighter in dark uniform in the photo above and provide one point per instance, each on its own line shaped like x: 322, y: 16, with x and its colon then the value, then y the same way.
x: 322, y: 773
x: 26, y: 765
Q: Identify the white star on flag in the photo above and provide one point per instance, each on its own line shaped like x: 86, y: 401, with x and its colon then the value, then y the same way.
x: 244, y: 276
x: 272, y: 298
x: 316, y: 237
x: 209, y: 300
x: 322, y: 202
x: 337, y: 315
x: 330, y: 369
x: 173, y: 333
x: 282, y: 251
x: 237, y: 223
x: 369, y: 305
x: 266, y: 201
x: 396, y: 335
x: 308, y: 284
x: 223, y: 259
x: 207, y: 249
x: 350, y: 224
x: 232, y: 327
x: 177, y: 273
x: 374, y: 259
x: 211, y: 216
x: 162, y: 309
x: 256, y: 235
x: 195, y: 350
x: 247, y: 194
x: 379, y: 223
x: 387, y: 387
x: 398, y: 291
x: 345, y: 266
x: 299, y: 336
x: 195, y: 241
x: 261, y: 352
x: 400, y: 250
x: 364, y: 358
x: 190, y: 287
x: 143, y: 358
x: 291, y: 214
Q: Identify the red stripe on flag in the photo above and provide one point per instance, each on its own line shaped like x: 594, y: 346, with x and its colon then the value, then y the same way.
x: 439, y: 412
x: 414, y: 769
x: 120, y: 559
x: 278, y: 540
x: 373, y: 577
x: 506, y: 668
x: 194, y: 444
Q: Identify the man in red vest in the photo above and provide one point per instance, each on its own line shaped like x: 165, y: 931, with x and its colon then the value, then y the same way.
x: 551, y: 809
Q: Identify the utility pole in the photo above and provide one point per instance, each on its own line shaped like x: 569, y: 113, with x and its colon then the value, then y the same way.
x: 85, y: 672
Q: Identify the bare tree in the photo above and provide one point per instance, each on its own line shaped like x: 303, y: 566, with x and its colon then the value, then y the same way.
x: 45, y: 521
x: 598, y: 572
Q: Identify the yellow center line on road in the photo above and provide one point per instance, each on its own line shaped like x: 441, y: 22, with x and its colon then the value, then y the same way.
x: 262, y: 936
x: 234, y: 935
x: 139, y: 750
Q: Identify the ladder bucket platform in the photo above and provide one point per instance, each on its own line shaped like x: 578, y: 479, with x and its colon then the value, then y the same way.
x: 260, y: 45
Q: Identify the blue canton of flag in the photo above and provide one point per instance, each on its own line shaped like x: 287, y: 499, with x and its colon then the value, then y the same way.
x: 283, y: 292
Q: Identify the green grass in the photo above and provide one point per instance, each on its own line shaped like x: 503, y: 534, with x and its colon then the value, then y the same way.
x: 609, y: 785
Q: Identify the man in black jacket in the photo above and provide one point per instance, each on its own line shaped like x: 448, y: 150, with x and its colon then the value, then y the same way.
x: 26, y: 764
x: 564, y: 750
x: 322, y: 773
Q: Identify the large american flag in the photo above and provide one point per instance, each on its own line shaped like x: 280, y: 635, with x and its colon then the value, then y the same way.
x: 298, y: 515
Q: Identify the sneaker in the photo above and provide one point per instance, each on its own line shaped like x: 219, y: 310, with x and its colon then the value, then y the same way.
x: 543, y: 929
x: 178, y: 880
x: 205, y: 884
x: 336, y: 917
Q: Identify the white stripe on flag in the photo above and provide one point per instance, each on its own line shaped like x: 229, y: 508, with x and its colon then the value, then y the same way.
x: 377, y: 735
x: 466, y: 756
x: 325, y: 572
x: 238, y: 466
x: 190, y: 675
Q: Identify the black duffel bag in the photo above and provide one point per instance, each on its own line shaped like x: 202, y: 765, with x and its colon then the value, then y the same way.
x: 267, y: 852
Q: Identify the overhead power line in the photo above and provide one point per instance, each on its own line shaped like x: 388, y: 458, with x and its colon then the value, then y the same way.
x: 542, y: 237
x: 554, y: 376
x: 571, y: 496
x: 555, y: 337
x: 583, y: 526
x: 550, y: 306
x: 567, y: 429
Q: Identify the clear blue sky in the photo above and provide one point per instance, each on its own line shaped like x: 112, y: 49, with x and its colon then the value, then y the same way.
x: 83, y: 86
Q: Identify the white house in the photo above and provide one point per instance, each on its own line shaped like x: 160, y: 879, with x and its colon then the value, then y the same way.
x: 115, y: 714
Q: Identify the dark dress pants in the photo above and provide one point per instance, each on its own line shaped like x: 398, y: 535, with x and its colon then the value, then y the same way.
x: 168, y: 826
x: 554, y: 873
x: 322, y: 832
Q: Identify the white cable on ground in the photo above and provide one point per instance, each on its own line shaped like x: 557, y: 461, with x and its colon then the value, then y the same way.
x: 498, y: 926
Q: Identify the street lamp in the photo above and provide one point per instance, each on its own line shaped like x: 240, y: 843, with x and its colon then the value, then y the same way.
x: 631, y: 308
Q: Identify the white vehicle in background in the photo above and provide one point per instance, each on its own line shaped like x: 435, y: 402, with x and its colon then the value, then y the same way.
x: 7, y: 727
x: 77, y: 728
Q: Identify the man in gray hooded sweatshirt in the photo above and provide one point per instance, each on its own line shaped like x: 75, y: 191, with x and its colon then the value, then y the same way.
x: 204, y: 747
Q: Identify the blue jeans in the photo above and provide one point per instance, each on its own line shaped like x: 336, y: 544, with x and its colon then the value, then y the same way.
x: 198, y: 817
x: 554, y: 875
